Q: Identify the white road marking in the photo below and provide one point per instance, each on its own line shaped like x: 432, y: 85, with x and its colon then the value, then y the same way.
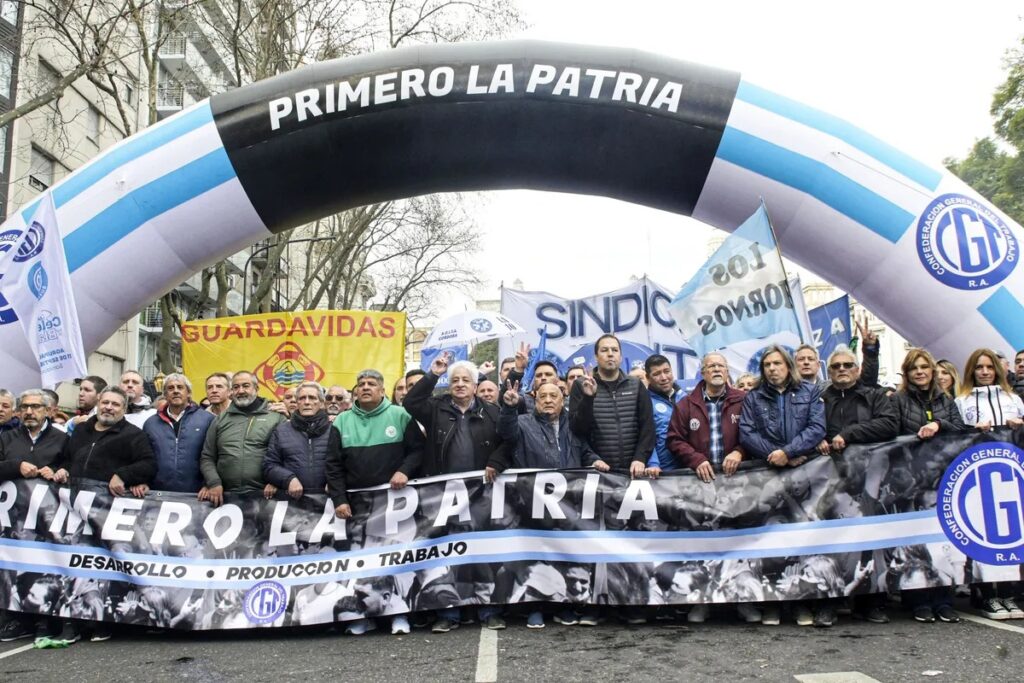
x: 487, y: 657
x: 836, y: 677
x: 1003, y: 626
x: 17, y: 650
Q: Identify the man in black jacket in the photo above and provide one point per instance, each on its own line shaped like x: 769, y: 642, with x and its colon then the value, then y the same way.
x: 300, y: 447
x: 612, y: 411
x: 461, y: 436
x: 107, y: 448
x: 33, y: 444
x: 855, y: 413
x: 462, y: 431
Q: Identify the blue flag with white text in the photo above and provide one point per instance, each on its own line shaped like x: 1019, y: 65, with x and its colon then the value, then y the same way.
x: 830, y: 325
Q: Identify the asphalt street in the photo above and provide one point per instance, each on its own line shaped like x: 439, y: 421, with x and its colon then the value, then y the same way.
x: 720, y: 650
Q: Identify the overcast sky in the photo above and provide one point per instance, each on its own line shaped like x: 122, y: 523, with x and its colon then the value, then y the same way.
x: 919, y: 75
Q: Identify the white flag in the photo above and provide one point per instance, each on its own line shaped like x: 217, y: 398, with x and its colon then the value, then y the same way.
x: 37, y: 285
x: 740, y: 294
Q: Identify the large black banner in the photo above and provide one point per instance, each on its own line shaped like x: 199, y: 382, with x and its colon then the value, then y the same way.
x: 861, y: 522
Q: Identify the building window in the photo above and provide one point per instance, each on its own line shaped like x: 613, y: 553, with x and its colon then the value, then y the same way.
x: 92, y: 124
x: 6, y: 71
x: 47, y: 79
x: 9, y: 12
x: 3, y: 147
x: 40, y: 170
x: 129, y: 92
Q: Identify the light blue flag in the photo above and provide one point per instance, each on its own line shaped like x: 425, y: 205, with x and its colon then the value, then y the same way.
x: 740, y: 294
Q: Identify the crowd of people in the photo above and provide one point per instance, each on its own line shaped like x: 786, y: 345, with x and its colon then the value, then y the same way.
x: 330, y: 440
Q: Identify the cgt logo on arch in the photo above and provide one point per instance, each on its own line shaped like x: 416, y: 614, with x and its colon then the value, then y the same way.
x: 981, y: 503
x: 964, y: 244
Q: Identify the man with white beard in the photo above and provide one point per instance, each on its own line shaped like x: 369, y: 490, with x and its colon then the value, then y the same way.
x: 236, y: 442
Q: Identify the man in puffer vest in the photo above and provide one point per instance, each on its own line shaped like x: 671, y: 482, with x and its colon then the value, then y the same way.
x: 380, y: 444
x: 612, y: 412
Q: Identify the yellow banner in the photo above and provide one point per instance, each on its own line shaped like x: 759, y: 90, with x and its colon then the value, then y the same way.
x: 285, y: 349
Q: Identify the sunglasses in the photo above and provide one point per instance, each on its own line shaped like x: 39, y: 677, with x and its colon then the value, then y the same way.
x: 845, y: 366
x: 334, y: 397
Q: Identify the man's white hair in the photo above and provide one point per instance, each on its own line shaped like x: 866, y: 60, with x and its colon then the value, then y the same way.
x: 467, y: 366
x: 843, y: 350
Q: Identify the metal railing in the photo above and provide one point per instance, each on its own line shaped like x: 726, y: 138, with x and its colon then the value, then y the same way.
x: 175, y: 44
x: 170, y: 96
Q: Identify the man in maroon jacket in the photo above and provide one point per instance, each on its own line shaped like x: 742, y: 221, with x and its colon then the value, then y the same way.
x: 704, y: 432
x: 704, y: 435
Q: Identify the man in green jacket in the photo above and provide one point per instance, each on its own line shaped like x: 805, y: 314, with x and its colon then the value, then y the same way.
x: 232, y: 458
x: 380, y: 444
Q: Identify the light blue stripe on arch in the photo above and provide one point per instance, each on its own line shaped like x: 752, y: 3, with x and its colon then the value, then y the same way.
x: 147, y: 202
x: 816, y: 179
x: 1005, y: 313
x: 145, y: 142
x: 902, y: 163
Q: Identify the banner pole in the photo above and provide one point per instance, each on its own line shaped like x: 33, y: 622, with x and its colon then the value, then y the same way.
x: 782, y: 264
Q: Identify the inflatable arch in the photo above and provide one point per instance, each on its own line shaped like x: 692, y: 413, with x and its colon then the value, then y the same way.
x: 913, y: 243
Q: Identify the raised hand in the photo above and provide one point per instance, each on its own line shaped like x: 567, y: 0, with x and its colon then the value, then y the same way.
x: 522, y: 357
x: 864, y: 330
x: 440, y: 365
x: 588, y: 385
x: 511, y: 396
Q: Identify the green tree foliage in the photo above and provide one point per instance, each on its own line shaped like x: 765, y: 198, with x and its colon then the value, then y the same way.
x: 996, y: 175
x: 484, y: 352
x: 995, y: 167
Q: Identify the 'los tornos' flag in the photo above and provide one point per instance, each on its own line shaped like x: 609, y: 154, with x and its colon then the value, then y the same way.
x: 740, y: 294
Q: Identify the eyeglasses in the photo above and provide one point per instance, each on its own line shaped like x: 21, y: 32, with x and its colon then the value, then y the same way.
x: 334, y: 398
x: 31, y: 406
x: 845, y: 366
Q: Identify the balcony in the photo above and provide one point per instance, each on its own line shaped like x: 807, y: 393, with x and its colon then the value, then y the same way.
x: 172, y: 52
x: 151, y: 319
x: 170, y: 99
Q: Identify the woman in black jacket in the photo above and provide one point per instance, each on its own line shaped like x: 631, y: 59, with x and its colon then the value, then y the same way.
x: 926, y: 410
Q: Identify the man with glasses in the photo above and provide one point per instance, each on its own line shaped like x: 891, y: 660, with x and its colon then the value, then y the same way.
x: 337, y: 400
x: 703, y: 434
x: 856, y: 413
x: 236, y: 443
x: 24, y: 450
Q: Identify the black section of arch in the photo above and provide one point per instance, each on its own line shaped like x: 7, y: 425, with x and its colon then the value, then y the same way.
x: 462, y: 141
